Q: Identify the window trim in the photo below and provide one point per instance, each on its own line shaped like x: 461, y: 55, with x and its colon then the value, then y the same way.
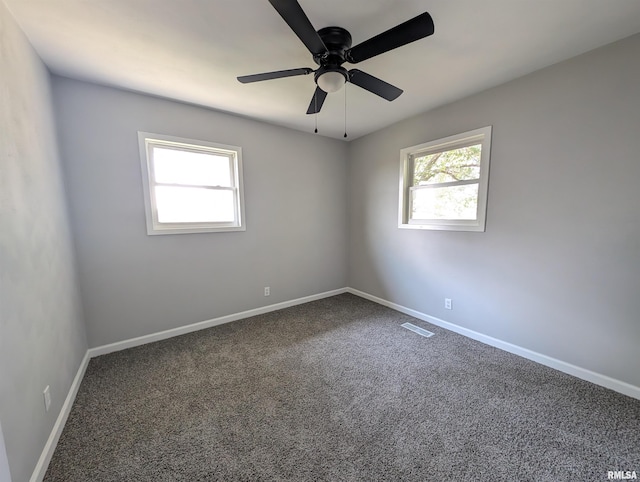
x: 477, y: 136
x: 147, y: 140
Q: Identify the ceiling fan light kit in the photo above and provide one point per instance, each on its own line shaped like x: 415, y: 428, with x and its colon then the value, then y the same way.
x: 331, y: 81
x: 331, y: 48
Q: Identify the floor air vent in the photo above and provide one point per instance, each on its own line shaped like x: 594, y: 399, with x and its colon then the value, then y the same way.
x: 417, y: 329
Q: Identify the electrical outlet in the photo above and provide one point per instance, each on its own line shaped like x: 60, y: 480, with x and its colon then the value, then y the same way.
x: 447, y: 304
x: 267, y: 291
x: 47, y: 398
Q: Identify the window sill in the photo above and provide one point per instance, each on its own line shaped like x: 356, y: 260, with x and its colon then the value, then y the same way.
x: 444, y: 227
x: 194, y: 230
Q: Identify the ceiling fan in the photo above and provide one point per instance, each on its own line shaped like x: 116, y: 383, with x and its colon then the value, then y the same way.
x: 331, y: 47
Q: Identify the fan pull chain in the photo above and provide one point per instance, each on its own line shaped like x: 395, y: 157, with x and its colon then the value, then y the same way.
x: 345, y: 110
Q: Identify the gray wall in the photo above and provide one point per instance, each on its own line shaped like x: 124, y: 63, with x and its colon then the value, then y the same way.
x: 42, y: 338
x: 134, y: 284
x: 5, y: 475
x: 558, y: 269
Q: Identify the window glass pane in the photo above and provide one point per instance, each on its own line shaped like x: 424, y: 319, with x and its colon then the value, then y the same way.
x: 455, y: 165
x: 451, y: 202
x: 194, y: 205
x: 175, y: 166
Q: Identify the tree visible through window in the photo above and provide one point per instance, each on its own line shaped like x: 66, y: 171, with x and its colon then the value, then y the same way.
x: 443, y: 183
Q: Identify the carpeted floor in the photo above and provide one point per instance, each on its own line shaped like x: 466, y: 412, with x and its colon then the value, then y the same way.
x: 336, y: 390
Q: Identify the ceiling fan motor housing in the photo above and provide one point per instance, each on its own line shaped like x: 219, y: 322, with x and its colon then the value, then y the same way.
x: 338, y: 41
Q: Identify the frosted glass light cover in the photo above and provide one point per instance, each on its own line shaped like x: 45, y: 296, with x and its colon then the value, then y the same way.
x: 331, y: 81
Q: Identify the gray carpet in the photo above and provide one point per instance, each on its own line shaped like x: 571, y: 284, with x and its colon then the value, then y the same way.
x: 336, y: 390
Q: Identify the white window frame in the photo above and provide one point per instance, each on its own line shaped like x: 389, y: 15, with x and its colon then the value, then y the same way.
x: 478, y: 136
x: 147, y: 141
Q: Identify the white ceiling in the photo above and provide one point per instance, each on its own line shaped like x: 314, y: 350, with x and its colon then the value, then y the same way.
x: 193, y: 50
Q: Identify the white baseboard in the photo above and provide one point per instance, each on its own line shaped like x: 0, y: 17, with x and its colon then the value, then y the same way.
x: 52, y: 442
x: 163, y: 335
x: 576, y: 371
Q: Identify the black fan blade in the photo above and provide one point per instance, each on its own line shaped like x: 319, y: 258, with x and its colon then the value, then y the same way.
x: 374, y: 85
x: 316, y: 101
x: 279, y: 74
x: 407, y: 32
x: 292, y: 13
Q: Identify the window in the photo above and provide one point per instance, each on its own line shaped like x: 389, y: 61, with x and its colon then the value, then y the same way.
x: 191, y: 186
x: 443, y: 183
